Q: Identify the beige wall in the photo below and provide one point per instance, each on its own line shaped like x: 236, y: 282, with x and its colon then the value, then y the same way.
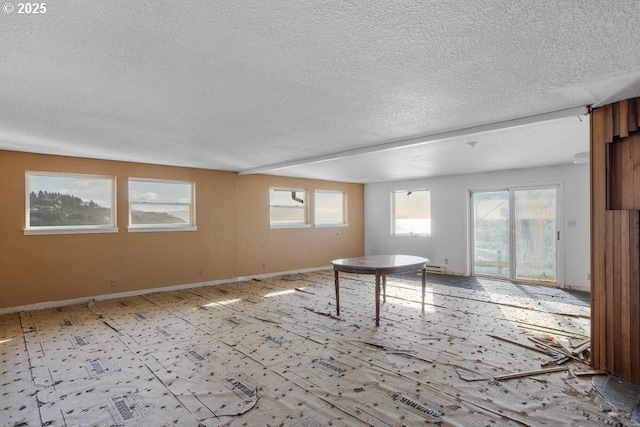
x: 233, y: 237
x: 262, y: 249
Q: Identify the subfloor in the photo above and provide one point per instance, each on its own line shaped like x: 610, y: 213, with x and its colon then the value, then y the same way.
x: 272, y: 353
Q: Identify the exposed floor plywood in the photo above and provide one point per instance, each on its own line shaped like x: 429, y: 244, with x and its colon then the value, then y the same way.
x: 272, y: 352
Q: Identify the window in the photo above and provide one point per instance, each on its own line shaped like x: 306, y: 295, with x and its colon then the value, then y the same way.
x: 69, y: 203
x: 287, y: 207
x: 329, y: 208
x: 411, y: 213
x: 156, y: 205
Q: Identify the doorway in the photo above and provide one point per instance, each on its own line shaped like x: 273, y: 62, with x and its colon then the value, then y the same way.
x: 514, y: 234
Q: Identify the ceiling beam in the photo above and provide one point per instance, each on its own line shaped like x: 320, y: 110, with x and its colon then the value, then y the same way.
x: 412, y: 142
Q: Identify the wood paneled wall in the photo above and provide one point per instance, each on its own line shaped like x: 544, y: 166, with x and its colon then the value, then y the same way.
x: 615, y: 234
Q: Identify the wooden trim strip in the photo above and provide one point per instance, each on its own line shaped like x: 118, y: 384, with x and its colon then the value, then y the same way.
x: 634, y: 296
x: 637, y: 113
x: 598, y: 233
x: 632, y: 116
x: 625, y: 280
x: 615, y: 337
x: 615, y: 120
x: 607, y: 306
x: 623, y: 118
x: 607, y: 111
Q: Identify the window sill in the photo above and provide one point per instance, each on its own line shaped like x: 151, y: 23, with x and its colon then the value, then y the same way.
x: 153, y: 229
x: 289, y: 225
x: 411, y: 235
x: 68, y: 230
x: 337, y: 225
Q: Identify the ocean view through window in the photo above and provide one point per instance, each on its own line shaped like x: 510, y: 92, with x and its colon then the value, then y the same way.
x: 160, y: 205
x: 69, y: 203
x: 411, y: 213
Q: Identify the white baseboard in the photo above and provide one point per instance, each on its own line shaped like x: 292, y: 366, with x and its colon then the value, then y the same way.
x: 84, y: 300
x: 577, y: 288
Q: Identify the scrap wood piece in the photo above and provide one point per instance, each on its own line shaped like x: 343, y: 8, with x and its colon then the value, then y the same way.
x: 577, y: 350
x: 589, y: 372
x: 553, y: 347
x: 519, y: 344
x: 566, y: 346
x: 558, y: 350
x: 324, y: 314
x: 388, y: 349
x: 110, y: 323
x: 525, y: 325
x: 555, y: 362
x: 305, y: 291
x: 380, y: 346
x: 578, y: 342
x: 545, y: 337
x: 409, y: 354
x: 468, y: 375
x: 577, y: 316
x: 530, y: 373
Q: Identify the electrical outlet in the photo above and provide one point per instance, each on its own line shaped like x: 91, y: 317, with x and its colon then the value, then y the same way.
x: 572, y: 223
x: 446, y: 260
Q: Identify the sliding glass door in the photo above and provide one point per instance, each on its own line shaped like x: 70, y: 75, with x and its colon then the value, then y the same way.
x: 515, y: 233
x: 491, y: 237
x: 535, y: 234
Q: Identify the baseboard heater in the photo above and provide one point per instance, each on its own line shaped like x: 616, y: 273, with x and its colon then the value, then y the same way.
x: 438, y: 269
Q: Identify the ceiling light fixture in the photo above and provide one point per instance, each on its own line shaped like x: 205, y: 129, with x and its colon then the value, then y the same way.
x: 472, y: 143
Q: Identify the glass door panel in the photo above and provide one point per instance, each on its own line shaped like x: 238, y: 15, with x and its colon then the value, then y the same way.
x: 535, y: 234
x: 491, y: 237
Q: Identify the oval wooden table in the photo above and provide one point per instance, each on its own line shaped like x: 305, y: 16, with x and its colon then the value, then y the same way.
x: 380, y: 266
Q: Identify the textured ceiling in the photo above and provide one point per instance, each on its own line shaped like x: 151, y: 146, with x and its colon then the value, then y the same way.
x: 274, y: 86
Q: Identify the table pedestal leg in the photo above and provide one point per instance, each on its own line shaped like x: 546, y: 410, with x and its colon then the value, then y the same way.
x: 337, y: 283
x: 377, y: 299
x: 424, y: 285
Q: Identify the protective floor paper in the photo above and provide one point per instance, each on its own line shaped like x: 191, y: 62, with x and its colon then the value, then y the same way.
x: 273, y: 352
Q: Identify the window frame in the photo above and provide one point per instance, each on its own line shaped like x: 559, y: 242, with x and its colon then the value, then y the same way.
x: 343, y: 223
x: 70, y: 229
x: 142, y: 228
x: 305, y: 208
x: 394, y: 213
